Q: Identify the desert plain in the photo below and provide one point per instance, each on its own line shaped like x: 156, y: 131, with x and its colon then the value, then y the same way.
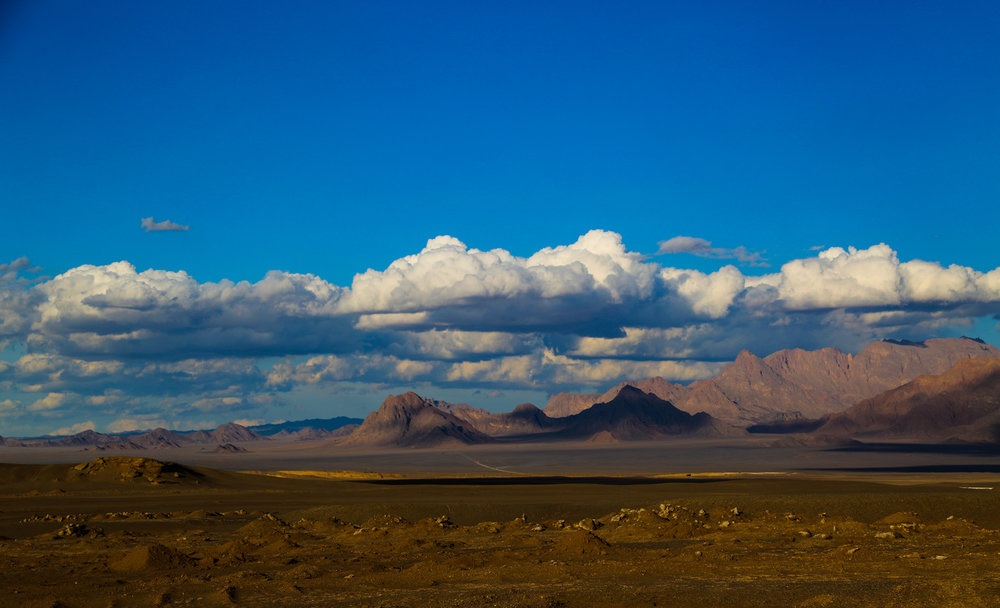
x: 735, y: 522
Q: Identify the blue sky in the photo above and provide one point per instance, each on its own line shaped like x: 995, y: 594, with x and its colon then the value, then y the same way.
x: 325, y: 139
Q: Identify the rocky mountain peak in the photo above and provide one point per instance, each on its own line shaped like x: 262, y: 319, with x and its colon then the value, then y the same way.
x: 413, y: 421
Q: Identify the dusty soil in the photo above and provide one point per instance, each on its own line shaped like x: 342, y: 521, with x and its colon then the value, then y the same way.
x: 136, y: 532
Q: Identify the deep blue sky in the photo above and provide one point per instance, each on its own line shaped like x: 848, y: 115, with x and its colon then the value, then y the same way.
x: 333, y: 137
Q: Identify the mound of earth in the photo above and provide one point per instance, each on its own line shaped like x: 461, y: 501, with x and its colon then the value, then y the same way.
x: 131, y: 469
x: 581, y: 542
x: 152, y: 557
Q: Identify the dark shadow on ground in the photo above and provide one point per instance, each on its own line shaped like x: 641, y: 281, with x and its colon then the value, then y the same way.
x: 534, y: 480
x: 964, y: 449
x: 933, y: 468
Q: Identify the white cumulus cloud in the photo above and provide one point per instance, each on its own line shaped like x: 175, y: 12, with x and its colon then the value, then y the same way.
x: 449, y: 285
x: 112, y: 343
x: 51, y: 401
x: 115, y: 310
x: 874, y: 277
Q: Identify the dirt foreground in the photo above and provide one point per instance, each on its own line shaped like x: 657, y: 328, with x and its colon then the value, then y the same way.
x: 119, y: 531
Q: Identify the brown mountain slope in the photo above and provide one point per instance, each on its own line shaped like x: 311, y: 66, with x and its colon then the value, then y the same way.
x: 567, y: 404
x: 636, y: 415
x: 232, y: 433
x: 962, y: 403
x: 793, y: 384
x: 525, y: 419
x: 798, y: 383
x: 409, y: 420
x: 160, y: 438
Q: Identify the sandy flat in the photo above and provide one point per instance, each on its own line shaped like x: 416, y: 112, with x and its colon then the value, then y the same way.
x: 673, y: 528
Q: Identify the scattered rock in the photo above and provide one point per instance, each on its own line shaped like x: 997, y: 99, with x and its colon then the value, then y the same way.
x: 589, y: 524
x: 75, y: 530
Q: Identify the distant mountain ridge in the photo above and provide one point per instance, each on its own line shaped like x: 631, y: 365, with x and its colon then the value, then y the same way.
x: 798, y: 384
x: 962, y: 403
x: 309, y: 424
x: 413, y: 421
x: 228, y: 433
x: 938, y: 389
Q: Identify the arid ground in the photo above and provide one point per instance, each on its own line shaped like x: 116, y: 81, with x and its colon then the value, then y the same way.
x: 627, y: 525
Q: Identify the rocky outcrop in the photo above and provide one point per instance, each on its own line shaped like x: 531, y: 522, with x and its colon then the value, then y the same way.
x: 131, y: 469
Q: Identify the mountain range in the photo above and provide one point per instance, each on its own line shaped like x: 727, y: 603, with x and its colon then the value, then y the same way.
x: 941, y: 389
x: 790, y: 390
x: 225, y: 434
x: 411, y: 420
x: 796, y: 384
x: 961, y: 404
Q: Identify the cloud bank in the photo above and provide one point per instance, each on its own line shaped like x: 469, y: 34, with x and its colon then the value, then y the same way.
x: 142, y: 345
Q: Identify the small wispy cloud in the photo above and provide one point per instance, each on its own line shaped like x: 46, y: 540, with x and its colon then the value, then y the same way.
x: 151, y: 225
x: 704, y: 249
